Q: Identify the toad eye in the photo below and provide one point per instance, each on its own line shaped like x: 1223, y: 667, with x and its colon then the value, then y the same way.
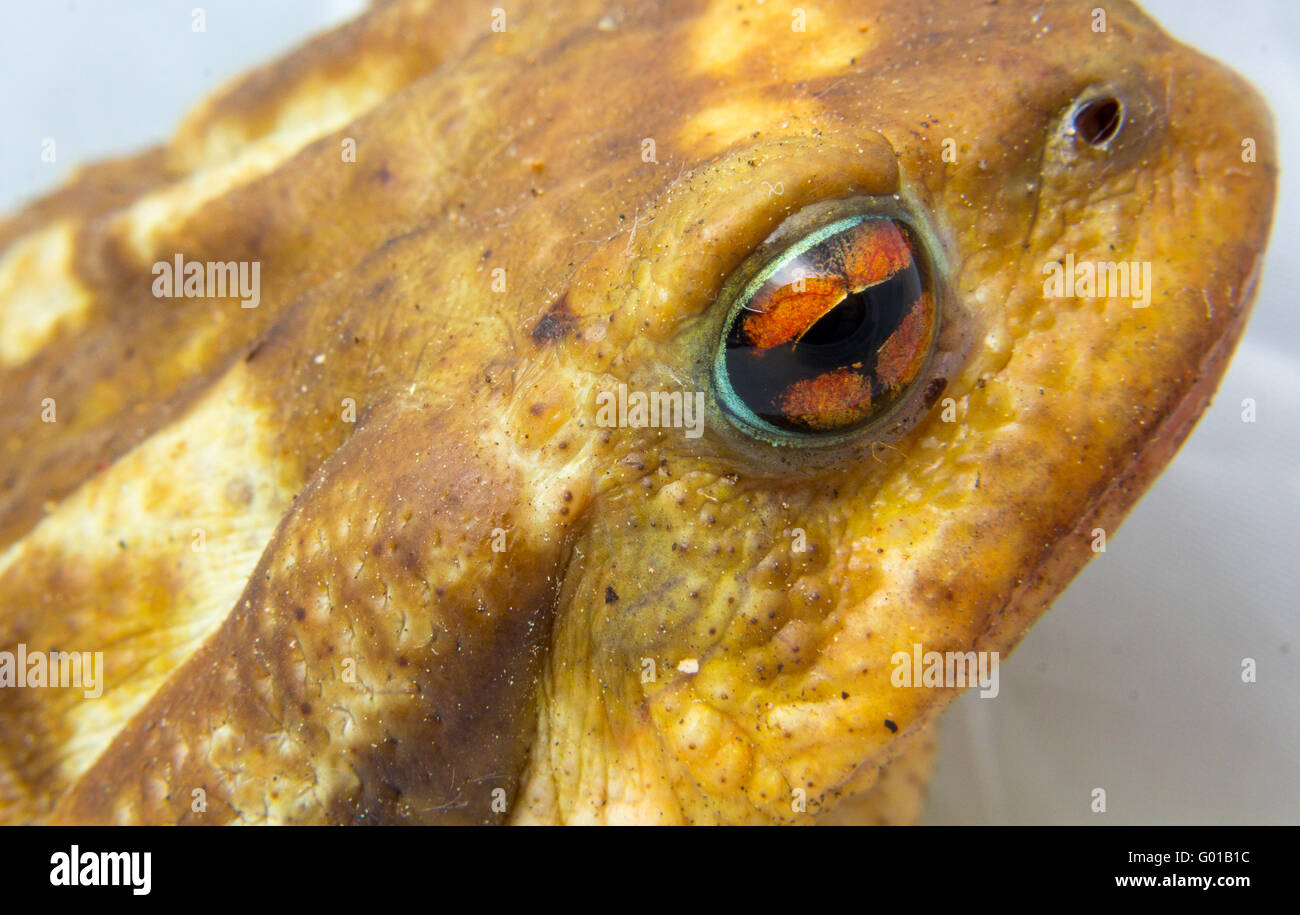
x: 831, y: 334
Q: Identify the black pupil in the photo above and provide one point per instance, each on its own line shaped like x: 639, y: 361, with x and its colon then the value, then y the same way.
x: 841, y: 323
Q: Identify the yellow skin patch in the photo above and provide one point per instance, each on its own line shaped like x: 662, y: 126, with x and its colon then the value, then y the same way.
x: 149, y: 556
x: 38, y: 292
x: 466, y: 600
x: 805, y: 41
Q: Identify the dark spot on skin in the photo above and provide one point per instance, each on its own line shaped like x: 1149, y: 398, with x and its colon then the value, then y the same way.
x: 610, y: 595
x: 893, y: 728
x: 844, y: 695
x: 299, y: 613
x: 556, y: 323
x: 397, y: 239
x: 383, y: 175
x: 252, y: 353
x: 306, y: 708
x: 933, y: 390
x: 537, y: 409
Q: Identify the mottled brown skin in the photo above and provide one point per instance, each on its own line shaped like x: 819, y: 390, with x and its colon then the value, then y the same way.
x: 349, y: 647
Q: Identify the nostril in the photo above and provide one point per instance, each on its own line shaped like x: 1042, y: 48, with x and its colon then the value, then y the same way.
x: 1098, y: 120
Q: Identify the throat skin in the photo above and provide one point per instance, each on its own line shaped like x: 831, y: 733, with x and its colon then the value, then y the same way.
x: 364, y: 553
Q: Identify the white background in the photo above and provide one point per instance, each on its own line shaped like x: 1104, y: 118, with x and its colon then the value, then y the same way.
x: 1132, y: 682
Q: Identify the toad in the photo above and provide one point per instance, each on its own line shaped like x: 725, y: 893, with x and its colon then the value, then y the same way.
x: 349, y: 428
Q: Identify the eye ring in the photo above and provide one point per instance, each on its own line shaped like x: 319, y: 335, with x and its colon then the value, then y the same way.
x: 832, y: 332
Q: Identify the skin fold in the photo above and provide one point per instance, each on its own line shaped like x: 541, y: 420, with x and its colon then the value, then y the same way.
x: 364, y: 553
